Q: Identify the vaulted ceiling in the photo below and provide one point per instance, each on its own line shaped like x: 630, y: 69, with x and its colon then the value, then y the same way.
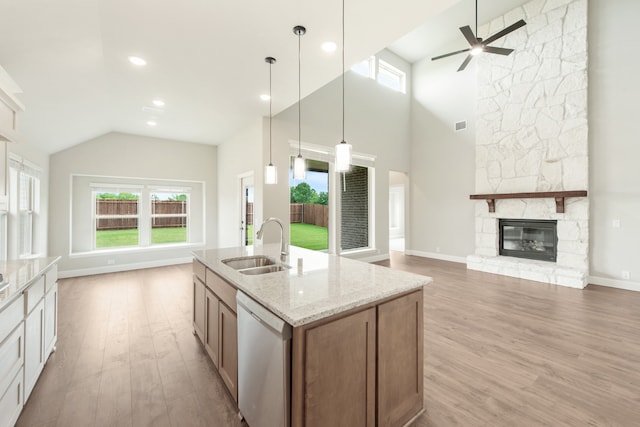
x: 205, y: 59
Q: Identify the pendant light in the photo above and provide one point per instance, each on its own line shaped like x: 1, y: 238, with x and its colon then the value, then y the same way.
x: 343, y: 150
x: 270, y: 171
x: 298, y: 164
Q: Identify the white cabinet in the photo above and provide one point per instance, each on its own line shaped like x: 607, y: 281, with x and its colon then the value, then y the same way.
x: 50, y: 311
x: 11, y: 361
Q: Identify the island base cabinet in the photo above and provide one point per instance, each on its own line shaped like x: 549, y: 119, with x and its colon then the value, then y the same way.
x: 334, y: 372
x: 228, y: 348
x: 400, y: 360
x: 51, y: 320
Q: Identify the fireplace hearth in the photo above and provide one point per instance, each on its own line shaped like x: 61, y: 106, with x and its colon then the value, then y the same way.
x: 532, y: 239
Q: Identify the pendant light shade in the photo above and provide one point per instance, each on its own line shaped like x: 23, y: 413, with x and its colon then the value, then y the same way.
x: 343, y: 150
x: 270, y: 171
x: 298, y: 164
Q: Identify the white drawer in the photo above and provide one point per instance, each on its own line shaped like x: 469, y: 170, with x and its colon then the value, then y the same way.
x: 11, y: 402
x: 33, y: 294
x: 51, y: 277
x: 10, y: 317
x: 11, y: 357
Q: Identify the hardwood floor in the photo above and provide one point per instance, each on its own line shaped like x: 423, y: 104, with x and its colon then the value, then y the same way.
x: 498, y: 352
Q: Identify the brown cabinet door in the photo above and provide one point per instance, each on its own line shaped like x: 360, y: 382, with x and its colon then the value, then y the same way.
x: 198, y: 308
x: 228, y: 348
x: 211, y: 329
x: 400, y: 364
x: 339, y: 372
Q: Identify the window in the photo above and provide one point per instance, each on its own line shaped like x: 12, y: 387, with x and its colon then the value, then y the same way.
x: 355, y: 207
x: 385, y: 73
x: 366, y: 68
x: 117, y: 218
x: 391, y: 77
x: 25, y: 206
x: 349, y: 198
x: 169, y: 216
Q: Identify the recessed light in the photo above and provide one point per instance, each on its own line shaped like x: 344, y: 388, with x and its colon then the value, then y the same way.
x: 265, y: 97
x: 136, y: 60
x: 158, y: 102
x: 152, y: 123
x: 329, y: 47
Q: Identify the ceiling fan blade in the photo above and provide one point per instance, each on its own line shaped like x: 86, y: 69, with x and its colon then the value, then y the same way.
x: 498, y: 50
x: 465, y: 63
x: 504, y: 32
x: 450, y: 54
x: 468, y: 34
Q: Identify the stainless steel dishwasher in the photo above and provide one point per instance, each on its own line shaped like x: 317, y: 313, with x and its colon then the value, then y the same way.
x: 264, y: 358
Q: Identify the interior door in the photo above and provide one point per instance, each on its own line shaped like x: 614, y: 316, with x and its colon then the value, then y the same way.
x: 247, y: 231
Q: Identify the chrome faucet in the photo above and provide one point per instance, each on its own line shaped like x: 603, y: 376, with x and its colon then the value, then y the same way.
x: 284, y: 253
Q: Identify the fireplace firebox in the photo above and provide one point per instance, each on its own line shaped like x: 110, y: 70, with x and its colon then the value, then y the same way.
x: 532, y: 239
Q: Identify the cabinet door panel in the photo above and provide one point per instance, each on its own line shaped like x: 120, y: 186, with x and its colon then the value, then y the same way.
x: 198, y: 308
x: 339, y: 384
x: 50, y: 320
x: 33, y: 348
x: 211, y: 330
x: 228, y: 349
x: 400, y: 359
x: 11, y: 402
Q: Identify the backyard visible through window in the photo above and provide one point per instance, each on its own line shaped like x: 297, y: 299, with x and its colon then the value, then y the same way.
x: 168, y: 218
x: 117, y: 219
x: 308, y: 208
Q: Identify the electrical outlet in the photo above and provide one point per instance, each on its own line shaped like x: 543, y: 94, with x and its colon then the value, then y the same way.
x: 438, y: 249
x: 111, y: 261
x: 616, y: 223
x: 626, y: 275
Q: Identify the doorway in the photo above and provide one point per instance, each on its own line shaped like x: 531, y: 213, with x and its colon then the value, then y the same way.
x: 247, y: 211
x: 398, y: 182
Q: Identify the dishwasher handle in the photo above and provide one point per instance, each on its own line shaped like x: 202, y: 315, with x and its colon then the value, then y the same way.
x: 264, y: 316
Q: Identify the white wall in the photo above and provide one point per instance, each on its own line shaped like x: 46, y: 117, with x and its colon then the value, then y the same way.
x: 376, y: 122
x: 238, y: 156
x: 124, y: 155
x: 442, y: 160
x: 614, y: 93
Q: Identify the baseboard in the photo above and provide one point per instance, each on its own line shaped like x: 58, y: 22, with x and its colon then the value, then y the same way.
x: 63, y: 274
x: 435, y: 255
x: 615, y: 283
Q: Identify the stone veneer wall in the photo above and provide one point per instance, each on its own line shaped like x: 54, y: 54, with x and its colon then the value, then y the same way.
x: 532, y: 136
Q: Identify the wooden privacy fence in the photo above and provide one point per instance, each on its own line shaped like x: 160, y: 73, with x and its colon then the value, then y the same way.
x: 176, y: 211
x: 307, y: 213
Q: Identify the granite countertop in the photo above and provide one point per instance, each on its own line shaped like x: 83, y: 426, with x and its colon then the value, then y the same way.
x: 18, y: 274
x: 326, y: 284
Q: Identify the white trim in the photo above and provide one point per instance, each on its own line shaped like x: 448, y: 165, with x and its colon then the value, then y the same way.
x: 136, y: 249
x: 434, y: 255
x: 614, y: 283
x: 64, y: 274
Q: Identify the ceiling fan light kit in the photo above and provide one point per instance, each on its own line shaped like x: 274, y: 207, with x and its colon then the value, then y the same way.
x: 478, y: 45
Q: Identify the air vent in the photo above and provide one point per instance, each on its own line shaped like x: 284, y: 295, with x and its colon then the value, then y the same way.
x: 460, y: 126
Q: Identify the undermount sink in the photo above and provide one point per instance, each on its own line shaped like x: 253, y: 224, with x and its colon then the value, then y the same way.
x: 240, y: 263
x: 263, y: 270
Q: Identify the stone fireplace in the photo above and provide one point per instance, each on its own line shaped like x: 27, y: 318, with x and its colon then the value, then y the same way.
x: 532, y: 137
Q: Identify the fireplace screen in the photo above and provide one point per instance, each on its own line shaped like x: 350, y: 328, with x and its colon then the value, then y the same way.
x: 531, y: 239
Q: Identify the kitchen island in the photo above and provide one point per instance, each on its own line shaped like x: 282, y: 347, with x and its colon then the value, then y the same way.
x: 357, y: 342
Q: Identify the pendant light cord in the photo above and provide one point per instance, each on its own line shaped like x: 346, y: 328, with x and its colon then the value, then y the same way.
x: 342, y: 70
x: 476, y: 19
x: 299, y: 94
x: 270, y: 115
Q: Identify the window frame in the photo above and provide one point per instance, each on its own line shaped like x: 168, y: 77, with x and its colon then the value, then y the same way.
x: 108, y: 188
x: 394, y: 72
x: 187, y: 215
x: 22, y: 219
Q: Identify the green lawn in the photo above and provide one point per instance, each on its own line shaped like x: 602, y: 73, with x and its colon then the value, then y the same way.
x: 119, y: 238
x: 309, y: 236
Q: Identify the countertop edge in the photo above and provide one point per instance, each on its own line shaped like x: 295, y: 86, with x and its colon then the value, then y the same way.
x: 20, y: 290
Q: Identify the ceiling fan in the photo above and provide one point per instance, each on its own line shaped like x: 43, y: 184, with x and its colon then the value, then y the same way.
x: 477, y: 45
